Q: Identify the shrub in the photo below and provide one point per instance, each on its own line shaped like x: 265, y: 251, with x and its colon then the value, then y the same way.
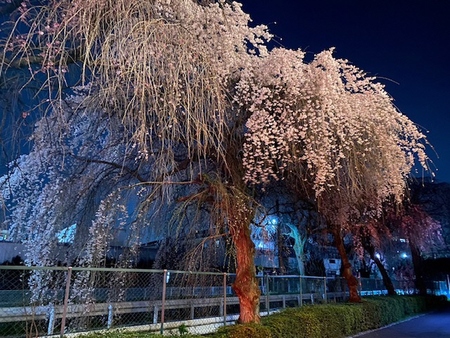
x: 244, y: 331
x: 323, y: 321
x: 333, y: 320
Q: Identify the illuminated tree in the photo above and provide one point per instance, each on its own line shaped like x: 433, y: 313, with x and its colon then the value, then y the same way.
x: 167, y: 91
x: 284, y: 223
x: 423, y: 233
x: 155, y: 111
x: 333, y: 133
x: 232, y: 211
x: 370, y: 237
x: 299, y: 224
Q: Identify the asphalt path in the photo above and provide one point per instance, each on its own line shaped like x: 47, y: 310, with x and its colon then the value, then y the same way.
x: 431, y: 325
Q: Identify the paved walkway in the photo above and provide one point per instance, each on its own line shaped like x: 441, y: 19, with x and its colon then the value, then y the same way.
x: 432, y: 325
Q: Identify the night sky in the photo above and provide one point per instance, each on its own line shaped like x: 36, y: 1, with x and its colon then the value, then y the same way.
x: 404, y: 43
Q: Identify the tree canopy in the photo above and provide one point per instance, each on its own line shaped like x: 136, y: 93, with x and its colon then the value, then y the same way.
x: 174, y: 93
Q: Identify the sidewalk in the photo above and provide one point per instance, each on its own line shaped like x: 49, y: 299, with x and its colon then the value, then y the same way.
x: 431, y: 325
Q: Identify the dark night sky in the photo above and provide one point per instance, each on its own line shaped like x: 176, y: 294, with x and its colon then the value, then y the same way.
x: 406, y: 43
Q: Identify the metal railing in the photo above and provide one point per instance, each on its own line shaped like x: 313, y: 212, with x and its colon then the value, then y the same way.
x: 52, y: 301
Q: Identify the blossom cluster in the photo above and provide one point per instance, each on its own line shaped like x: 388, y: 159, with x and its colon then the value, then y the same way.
x: 161, y: 66
x: 328, y: 124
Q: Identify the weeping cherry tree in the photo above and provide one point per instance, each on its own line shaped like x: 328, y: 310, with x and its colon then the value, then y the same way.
x: 333, y: 134
x: 152, y: 110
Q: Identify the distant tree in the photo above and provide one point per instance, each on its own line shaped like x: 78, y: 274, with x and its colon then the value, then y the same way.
x: 303, y: 224
x: 370, y: 238
x: 434, y: 199
x: 290, y: 222
x: 333, y: 133
x: 16, y: 260
x: 423, y: 233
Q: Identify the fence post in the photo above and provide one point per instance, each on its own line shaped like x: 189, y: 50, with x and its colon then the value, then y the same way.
x: 51, y: 320
x: 343, y: 283
x: 448, y: 285
x: 224, y: 299
x: 360, y: 284
x: 66, y: 301
x: 110, y: 316
x: 267, y: 295
x: 325, y: 289
x: 301, y: 291
x: 163, y: 301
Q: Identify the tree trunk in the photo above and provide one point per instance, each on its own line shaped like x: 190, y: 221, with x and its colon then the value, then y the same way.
x: 352, y: 282
x: 299, y: 255
x: 418, y: 268
x: 279, y: 249
x: 299, y: 248
x: 246, y: 284
x: 386, y: 279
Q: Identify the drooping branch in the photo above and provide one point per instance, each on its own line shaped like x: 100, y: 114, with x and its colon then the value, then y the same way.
x: 115, y: 165
x: 71, y: 57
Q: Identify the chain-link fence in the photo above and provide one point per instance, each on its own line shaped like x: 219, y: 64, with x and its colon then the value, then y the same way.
x: 59, y: 300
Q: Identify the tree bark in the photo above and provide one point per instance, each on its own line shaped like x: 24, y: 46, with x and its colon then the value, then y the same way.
x: 299, y: 248
x: 352, y: 282
x: 246, y: 284
x: 386, y: 279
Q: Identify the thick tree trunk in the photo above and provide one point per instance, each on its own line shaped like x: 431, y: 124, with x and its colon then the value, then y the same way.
x: 352, y: 281
x: 246, y: 285
x: 386, y: 279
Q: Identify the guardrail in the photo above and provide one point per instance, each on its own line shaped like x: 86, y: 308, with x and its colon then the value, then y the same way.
x: 45, y: 301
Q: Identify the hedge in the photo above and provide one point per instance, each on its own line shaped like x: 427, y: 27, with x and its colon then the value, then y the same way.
x: 334, y: 320
x: 320, y: 321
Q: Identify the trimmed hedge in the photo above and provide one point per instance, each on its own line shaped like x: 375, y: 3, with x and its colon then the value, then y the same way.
x: 319, y: 321
x: 334, y: 320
